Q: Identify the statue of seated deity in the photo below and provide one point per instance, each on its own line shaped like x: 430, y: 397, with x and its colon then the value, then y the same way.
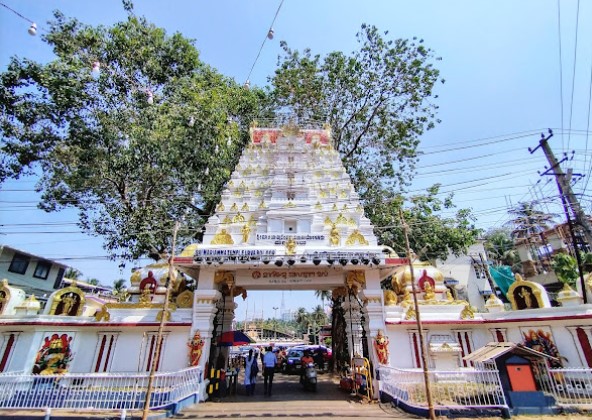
x: 429, y: 292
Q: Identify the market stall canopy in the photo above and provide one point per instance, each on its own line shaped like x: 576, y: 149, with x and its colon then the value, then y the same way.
x: 234, y: 338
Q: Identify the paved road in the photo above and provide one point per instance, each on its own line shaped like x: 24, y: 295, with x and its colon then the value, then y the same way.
x: 290, y: 401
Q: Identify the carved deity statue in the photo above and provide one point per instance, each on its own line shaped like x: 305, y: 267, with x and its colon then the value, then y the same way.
x: 290, y: 246
x: 527, y: 296
x: 429, y: 292
x: 68, y: 302
x: 381, y: 343
x: 334, y: 235
x: 246, y: 231
x: 195, y: 346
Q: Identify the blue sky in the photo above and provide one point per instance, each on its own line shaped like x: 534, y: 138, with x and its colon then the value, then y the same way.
x: 506, y: 82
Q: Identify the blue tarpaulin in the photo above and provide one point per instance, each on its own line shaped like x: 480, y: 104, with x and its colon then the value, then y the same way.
x: 502, y: 276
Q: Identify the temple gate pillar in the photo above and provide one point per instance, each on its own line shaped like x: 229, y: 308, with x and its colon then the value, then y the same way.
x: 204, y: 311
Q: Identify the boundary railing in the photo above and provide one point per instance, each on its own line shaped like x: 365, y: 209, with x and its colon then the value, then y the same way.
x: 569, y: 386
x: 97, y: 391
x: 450, y: 390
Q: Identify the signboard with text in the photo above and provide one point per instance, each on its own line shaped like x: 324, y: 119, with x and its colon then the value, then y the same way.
x: 306, y: 278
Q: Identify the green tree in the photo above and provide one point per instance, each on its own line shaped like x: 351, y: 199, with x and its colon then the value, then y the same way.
x: 119, y: 285
x: 73, y: 274
x: 120, y: 290
x: 432, y: 234
x: 587, y: 262
x: 529, y: 223
x: 302, y: 320
x: 148, y: 140
x: 377, y: 100
x: 92, y: 281
x: 566, y: 268
x: 323, y: 295
x: 500, y: 246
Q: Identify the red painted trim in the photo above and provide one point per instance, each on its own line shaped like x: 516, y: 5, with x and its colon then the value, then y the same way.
x: 183, y: 260
x: 416, y: 351
x: 494, y: 321
x: 396, y: 261
x: 585, y: 343
x: 100, y: 356
x: 7, y: 351
x: 108, y: 353
x: 462, y: 348
x: 468, y: 342
x: 150, y: 353
x: 102, y: 325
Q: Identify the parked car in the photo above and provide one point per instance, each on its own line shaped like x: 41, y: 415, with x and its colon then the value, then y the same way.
x: 291, y: 364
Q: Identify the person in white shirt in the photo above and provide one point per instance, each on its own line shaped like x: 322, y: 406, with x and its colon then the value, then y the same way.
x: 269, y: 360
x: 251, y: 369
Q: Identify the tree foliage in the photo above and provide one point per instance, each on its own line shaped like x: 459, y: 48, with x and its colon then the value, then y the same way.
x: 129, y: 167
x: 566, y: 268
x: 377, y: 101
x: 528, y: 222
x: 433, y: 235
x: 500, y: 247
x: 73, y: 274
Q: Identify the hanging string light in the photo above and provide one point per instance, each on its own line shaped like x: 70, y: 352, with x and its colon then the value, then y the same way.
x: 149, y: 97
x: 32, y: 29
x: 96, y: 69
x: 269, y: 35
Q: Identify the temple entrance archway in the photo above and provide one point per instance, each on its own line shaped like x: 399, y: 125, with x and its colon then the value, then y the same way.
x: 289, y: 218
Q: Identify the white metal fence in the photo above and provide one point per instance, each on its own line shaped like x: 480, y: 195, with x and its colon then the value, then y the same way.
x: 449, y: 389
x: 100, y: 391
x: 569, y: 386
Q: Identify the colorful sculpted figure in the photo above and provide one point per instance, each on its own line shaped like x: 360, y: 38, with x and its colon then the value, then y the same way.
x: 381, y: 343
x: 195, y: 346
x: 543, y: 342
x: 54, y: 355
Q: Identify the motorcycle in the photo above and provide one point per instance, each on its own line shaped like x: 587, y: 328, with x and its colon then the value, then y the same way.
x: 308, y: 379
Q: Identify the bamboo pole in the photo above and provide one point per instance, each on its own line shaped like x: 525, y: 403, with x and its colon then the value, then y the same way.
x: 422, y: 348
x: 163, y: 319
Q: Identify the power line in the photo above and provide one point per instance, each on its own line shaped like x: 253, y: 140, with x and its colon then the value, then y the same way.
x: 573, y: 81
x: 268, y: 35
x: 560, y: 63
x: 17, y: 13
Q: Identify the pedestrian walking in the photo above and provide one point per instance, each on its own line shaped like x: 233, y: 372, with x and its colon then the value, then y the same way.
x: 269, y: 361
x: 251, y: 371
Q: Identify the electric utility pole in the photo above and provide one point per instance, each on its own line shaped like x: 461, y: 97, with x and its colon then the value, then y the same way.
x: 569, y: 202
x: 563, y: 184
